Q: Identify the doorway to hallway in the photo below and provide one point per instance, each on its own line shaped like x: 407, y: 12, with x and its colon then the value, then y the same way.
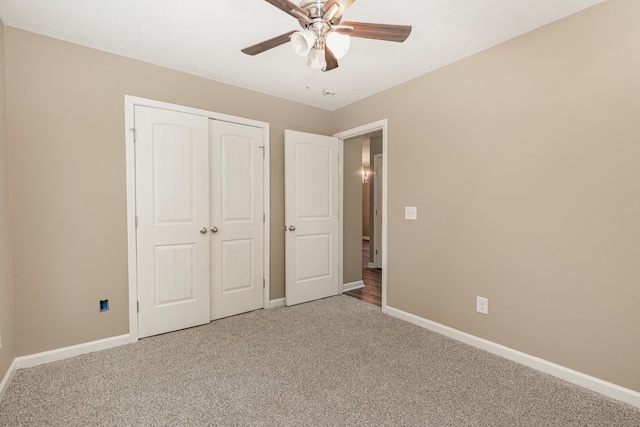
x: 355, y: 184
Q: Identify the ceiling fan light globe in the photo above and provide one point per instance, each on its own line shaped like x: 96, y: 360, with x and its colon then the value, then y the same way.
x: 316, y: 59
x: 302, y: 42
x: 339, y: 44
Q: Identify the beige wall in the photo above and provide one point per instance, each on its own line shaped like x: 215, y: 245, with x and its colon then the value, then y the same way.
x: 524, y: 163
x: 352, y: 211
x: 7, y: 349
x: 66, y: 144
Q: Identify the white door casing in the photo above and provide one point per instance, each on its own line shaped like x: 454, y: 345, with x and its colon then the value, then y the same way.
x: 237, y: 218
x: 172, y: 202
x: 311, y: 217
x: 381, y: 125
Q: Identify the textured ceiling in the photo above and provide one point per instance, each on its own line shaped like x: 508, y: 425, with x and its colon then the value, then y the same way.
x: 204, y: 38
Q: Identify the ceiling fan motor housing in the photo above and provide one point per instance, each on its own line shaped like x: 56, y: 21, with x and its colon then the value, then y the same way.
x: 316, y: 12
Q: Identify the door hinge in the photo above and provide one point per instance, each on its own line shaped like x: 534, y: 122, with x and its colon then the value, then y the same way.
x: 137, y: 306
x: 263, y: 150
x: 264, y: 217
x: 264, y: 283
x: 135, y: 136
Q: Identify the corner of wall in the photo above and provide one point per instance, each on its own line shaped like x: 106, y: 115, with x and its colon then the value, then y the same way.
x: 7, y: 318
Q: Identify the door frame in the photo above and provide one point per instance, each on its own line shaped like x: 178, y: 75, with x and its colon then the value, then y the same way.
x: 130, y: 102
x: 353, y: 133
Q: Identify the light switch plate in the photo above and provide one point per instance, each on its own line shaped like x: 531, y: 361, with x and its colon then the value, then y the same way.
x: 411, y: 213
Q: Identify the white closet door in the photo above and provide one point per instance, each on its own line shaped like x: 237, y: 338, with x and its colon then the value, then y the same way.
x: 311, y: 216
x: 237, y: 218
x: 172, y: 208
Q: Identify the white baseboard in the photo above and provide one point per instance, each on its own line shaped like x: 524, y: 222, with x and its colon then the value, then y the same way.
x: 277, y: 303
x: 346, y: 287
x: 592, y: 383
x: 72, y: 351
x: 371, y: 265
x: 13, y: 368
x: 32, y: 360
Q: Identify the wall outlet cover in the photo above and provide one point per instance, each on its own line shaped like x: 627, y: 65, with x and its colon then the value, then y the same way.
x: 482, y: 305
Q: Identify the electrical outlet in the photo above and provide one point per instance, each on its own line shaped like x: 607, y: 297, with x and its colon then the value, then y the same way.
x: 482, y: 305
x: 411, y: 213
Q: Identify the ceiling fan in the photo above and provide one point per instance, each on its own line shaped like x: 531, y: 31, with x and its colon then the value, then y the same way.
x: 325, y: 37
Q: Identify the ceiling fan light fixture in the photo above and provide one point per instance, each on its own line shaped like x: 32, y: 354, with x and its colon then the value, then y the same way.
x: 316, y: 58
x: 302, y: 42
x: 322, y: 38
x: 339, y: 44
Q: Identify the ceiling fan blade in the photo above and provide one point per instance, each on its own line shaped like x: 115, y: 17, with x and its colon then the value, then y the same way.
x: 392, y: 33
x: 267, y: 44
x: 344, y: 5
x: 331, y: 60
x: 290, y: 8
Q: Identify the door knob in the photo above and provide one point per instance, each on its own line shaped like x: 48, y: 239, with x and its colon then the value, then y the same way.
x: 203, y: 230
x: 292, y: 228
x: 214, y: 229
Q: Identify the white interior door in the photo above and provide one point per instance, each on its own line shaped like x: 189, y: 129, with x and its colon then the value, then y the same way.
x: 237, y: 218
x: 172, y: 209
x: 378, y: 166
x: 311, y: 216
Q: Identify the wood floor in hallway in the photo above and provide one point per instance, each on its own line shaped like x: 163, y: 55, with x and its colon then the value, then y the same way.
x: 372, y: 278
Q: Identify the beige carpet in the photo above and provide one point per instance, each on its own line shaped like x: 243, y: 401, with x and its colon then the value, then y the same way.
x: 334, y: 362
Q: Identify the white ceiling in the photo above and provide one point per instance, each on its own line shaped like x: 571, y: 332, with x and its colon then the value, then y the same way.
x: 204, y: 38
